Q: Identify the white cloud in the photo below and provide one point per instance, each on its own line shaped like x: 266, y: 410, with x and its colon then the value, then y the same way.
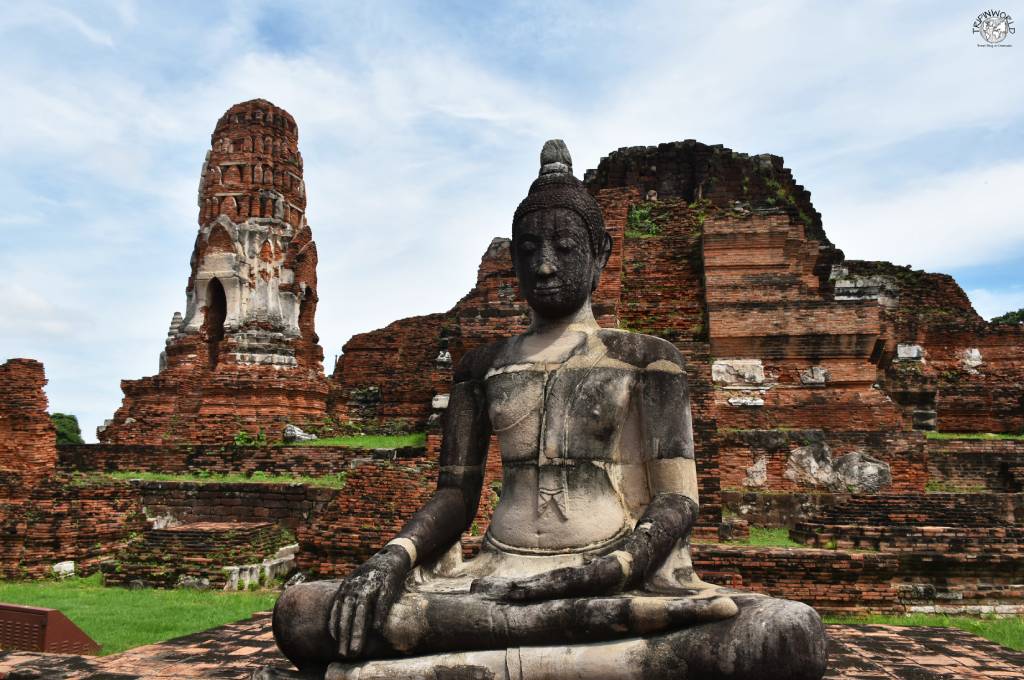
x: 990, y: 303
x: 38, y: 16
x: 420, y: 133
x: 29, y: 313
x: 936, y: 223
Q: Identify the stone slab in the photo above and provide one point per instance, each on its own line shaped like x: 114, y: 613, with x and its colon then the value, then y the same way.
x: 233, y: 651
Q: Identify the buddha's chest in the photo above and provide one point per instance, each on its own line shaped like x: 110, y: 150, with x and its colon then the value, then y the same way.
x: 557, y: 414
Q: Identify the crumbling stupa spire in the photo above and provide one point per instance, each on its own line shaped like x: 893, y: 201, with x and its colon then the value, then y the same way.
x: 250, y: 299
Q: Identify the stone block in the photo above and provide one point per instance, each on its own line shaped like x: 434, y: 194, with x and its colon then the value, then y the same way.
x: 737, y: 372
x: 906, y: 351
x: 815, y: 375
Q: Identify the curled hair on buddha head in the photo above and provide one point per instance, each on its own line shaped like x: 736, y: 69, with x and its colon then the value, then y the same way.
x: 556, y: 187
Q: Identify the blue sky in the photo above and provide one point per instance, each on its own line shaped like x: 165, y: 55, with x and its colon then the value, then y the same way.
x: 420, y: 125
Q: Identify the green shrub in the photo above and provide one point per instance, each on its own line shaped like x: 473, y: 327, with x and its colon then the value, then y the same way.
x: 243, y: 438
x: 68, y: 431
x: 1010, y: 317
x: 640, y: 221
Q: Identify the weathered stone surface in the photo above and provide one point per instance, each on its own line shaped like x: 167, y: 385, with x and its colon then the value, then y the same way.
x: 757, y: 474
x: 860, y: 473
x: 64, y: 569
x: 244, y: 355
x: 815, y: 375
x: 737, y: 372
x: 294, y: 433
x: 855, y: 472
x: 909, y: 352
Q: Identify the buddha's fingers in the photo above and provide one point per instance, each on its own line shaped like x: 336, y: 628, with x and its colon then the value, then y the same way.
x: 687, y: 611
x: 492, y: 587
x: 360, y: 618
x: 382, y: 607
x: 344, y: 626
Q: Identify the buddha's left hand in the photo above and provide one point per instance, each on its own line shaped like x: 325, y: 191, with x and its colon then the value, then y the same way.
x: 601, y: 576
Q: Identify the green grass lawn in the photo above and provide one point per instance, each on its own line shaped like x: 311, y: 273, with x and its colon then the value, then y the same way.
x: 1008, y: 632
x: 771, y: 538
x: 369, y: 441
x: 762, y: 537
x: 120, y: 619
x: 335, y: 481
x: 973, y: 435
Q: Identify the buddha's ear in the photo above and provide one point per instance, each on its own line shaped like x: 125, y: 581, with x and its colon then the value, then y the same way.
x: 602, y: 260
x: 606, y: 250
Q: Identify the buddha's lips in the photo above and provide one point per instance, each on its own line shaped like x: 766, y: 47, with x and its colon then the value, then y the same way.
x: 547, y: 290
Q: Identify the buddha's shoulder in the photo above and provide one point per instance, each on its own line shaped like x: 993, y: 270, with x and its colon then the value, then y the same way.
x: 475, y: 363
x: 638, y: 349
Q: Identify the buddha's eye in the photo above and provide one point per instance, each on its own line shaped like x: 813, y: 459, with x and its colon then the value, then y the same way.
x: 527, y: 246
x: 566, y: 244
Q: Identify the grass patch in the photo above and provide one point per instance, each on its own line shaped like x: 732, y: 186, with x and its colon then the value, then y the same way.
x: 120, y: 619
x: 974, y: 435
x: 776, y: 537
x: 934, y: 486
x: 335, y: 481
x: 369, y: 441
x: 1008, y: 632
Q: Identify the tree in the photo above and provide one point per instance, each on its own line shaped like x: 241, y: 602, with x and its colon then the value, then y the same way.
x: 1011, y: 317
x: 68, y: 431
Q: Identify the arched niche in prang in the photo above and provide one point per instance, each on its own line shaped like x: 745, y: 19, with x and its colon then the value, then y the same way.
x: 307, y: 314
x: 216, y: 312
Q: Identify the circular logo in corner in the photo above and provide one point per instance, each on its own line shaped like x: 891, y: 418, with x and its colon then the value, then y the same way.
x: 993, y: 26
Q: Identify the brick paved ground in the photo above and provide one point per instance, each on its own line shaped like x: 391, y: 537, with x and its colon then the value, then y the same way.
x: 232, y: 652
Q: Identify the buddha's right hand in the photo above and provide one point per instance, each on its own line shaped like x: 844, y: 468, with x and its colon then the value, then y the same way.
x: 365, y: 598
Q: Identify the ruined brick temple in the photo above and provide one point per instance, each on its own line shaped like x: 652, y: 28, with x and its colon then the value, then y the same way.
x: 813, y: 379
x: 724, y: 254
x: 244, y: 357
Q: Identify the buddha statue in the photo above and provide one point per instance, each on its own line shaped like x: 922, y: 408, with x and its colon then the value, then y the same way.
x: 584, y: 571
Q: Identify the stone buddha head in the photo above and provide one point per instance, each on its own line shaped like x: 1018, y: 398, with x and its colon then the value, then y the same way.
x: 559, y: 243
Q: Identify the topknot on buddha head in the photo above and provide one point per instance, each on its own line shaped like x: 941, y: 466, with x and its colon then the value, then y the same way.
x: 556, y: 187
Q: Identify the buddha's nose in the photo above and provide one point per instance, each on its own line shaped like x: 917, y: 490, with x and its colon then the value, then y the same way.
x: 546, y: 268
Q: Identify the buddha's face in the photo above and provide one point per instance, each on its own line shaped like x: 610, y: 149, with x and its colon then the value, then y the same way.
x: 556, y: 268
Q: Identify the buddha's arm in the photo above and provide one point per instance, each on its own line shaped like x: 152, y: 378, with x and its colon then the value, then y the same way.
x: 366, y: 596
x: 450, y: 511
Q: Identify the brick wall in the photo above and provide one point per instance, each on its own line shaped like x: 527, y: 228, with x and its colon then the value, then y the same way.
x: 978, y: 465
x: 778, y: 509
x: 845, y: 582
x: 830, y: 581
x: 163, y: 557
x: 28, y: 439
x: 288, y: 505
x: 65, y: 519
x: 310, y: 461
x: 941, y: 523
x: 377, y: 499
x: 187, y: 403
x: 932, y: 310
